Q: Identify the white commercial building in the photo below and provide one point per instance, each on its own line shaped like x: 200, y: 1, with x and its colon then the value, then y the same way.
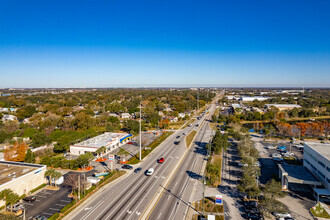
x: 317, y: 161
x: 252, y: 98
x: 21, y: 178
x: 108, y: 140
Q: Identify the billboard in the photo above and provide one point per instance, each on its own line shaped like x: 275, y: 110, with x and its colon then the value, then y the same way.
x: 218, y: 199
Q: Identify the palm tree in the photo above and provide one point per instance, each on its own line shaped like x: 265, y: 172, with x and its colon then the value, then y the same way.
x: 49, y: 174
x: 101, y: 150
x: 56, y: 176
x: 9, y: 197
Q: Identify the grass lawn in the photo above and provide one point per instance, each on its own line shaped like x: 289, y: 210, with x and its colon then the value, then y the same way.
x: 176, y: 125
x: 122, y: 151
x: 319, y: 211
x: 212, y: 180
x: 210, y: 206
x: 190, y: 137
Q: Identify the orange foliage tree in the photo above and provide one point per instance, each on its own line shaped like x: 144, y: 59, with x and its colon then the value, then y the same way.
x: 16, y: 152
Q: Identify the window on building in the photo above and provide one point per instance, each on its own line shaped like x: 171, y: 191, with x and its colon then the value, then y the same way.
x: 328, y: 169
x: 322, y: 164
x: 314, y: 168
x: 328, y: 180
x: 321, y: 174
x: 307, y: 162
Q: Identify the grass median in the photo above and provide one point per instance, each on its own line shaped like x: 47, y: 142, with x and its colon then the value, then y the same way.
x: 190, y: 137
x: 150, y: 148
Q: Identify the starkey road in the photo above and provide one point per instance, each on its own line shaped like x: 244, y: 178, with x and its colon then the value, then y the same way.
x: 163, y: 195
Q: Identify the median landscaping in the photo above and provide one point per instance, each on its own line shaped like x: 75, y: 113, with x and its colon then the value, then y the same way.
x: 190, y: 137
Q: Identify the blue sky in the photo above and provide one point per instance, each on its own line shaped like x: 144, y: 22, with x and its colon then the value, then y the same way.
x: 105, y: 43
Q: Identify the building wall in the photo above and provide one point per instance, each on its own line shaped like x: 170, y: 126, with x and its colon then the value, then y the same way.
x: 318, y: 165
x: 24, y: 184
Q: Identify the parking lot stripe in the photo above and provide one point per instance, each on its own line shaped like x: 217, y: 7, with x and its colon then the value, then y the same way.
x: 37, y: 200
x: 65, y: 200
x: 46, y: 213
x: 60, y: 204
x: 42, y: 196
x: 55, y: 209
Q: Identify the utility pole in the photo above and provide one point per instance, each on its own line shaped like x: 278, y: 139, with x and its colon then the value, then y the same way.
x: 79, y: 187
x: 140, y: 133
x: 198, y: 102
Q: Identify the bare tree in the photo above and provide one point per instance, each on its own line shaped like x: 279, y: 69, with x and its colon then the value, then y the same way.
x: 72, y: 180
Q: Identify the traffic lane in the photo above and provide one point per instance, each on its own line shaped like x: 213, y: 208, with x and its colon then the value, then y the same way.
x: 175, y: 194
x: 172, y: 191
x: 144, y: 193
x: 122, y: 185
x: 125, y: 185
x: 119, y: 192
x: 48, y: 202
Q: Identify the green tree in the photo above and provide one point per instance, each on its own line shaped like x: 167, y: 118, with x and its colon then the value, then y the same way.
x: 9, y: 197
x: 30, y: 157
x: 49, y: 174
x: 272, y: 189
x: 40, y: 139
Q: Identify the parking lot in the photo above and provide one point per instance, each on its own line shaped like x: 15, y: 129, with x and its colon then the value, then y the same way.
x: 48, y: 202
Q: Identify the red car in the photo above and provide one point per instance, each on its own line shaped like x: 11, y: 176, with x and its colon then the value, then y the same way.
x: 161, y: 160
x: 130, y: 143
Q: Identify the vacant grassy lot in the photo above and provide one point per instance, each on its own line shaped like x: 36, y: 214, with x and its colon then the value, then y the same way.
x: 210, y: 207
x: 176, y: 125
x: 190, y: 137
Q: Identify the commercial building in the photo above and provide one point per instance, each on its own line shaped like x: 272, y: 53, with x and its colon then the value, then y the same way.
x: 252, y: 98
x: 21, y: 178
x: 282, y: 107
x: 317, y: 161
x: 108, y: 140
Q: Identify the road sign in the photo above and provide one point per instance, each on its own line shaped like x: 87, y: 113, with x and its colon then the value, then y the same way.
x: 111, y: 157
x: 218, y: 199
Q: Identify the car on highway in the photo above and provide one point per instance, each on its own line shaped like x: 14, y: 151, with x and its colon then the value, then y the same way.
x: 178, y: 136
x: 127, y: 167
x: 150, y: 172
x: 176, y: 142
x: 161, y: 160
x: 189, y: 125
x: 184, y: 133
x: 196, y: 125
x: 30, y: 199
x: 137, y: 170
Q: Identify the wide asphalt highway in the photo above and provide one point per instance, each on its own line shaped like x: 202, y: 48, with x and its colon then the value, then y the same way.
x: 174, y: 201
x: 129, y: 198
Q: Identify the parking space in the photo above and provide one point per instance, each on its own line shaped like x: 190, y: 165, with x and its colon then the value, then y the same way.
x: 48, y: 202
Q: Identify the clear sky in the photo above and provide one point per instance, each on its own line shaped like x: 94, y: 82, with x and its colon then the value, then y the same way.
x: 110, y: 43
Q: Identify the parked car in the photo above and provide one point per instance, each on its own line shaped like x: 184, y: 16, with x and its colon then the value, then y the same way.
x: 271, y: 147
x: 276, y: 155
x: 127, y: 167
x: 150, y: 172
x: 30, y: 199
x: 129, y: 142
x: 242, y: 164
x: 16, y: 206
x: 282, y: 148
x: 39, y: 217
x: 253, y: 216
x: 257, y: 164
x: 137, y: 170
x: 161, y: 160
x: 282, y: 215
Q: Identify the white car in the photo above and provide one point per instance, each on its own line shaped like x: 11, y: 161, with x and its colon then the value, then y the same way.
x: 242, y: 164
x: 282, y: 215
x: 257, y: 164
x: 276, y: 155
x: 150, y: 171
x: 271, y: 147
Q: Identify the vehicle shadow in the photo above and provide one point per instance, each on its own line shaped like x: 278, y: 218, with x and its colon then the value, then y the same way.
x: 194, y: 175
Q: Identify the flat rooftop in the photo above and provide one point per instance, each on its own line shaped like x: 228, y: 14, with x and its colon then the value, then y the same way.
x: 299, y: 174
x: 322, y: 149
x: 11, y: 170
x: 105, y: 139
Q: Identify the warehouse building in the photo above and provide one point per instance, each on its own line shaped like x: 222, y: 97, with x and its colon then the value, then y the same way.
x: 21, y: 178
x: 108, y: 140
